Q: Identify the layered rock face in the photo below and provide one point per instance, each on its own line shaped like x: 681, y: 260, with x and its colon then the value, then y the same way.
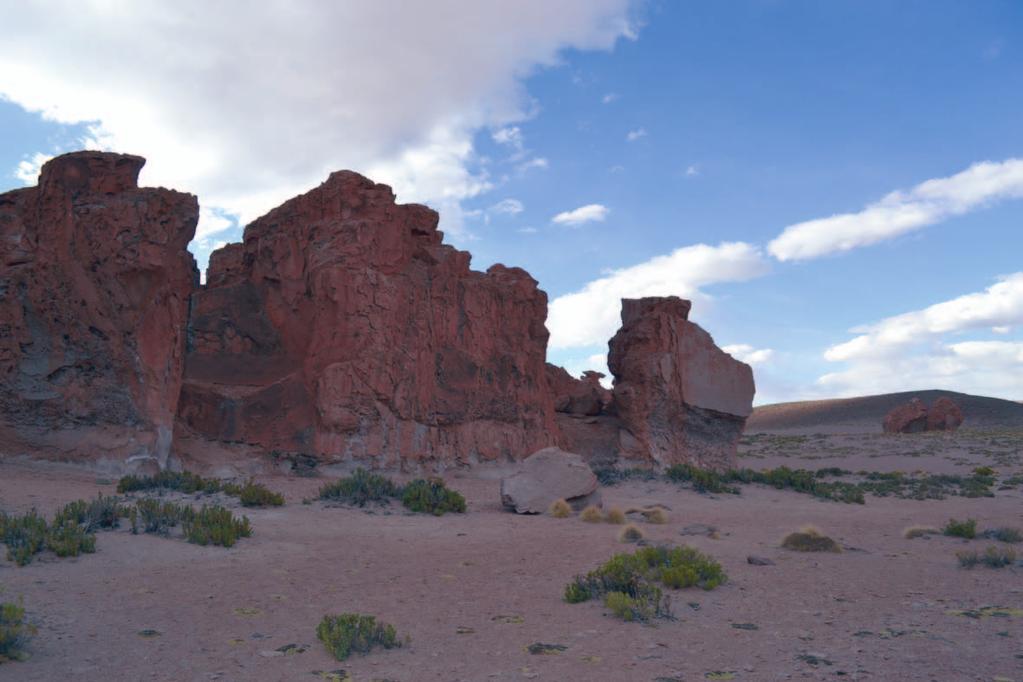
x: 344, y: 328
x: 95, y: 280
x: 678, y: 396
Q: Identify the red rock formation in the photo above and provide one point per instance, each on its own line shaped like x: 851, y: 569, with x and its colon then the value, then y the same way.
x: 679, y: 397
x: 914, y: 417
x: 342, y: 327
x: 94, y: 291
x: 583, y: 396
x: 944, y: 415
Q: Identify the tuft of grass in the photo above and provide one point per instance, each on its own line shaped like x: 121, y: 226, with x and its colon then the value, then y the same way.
x: 630, y: 533
x: 25, y: 536
x: 809, y: 539
x: 984, y: 471
x: 432, y: 497
x: 70, y: 539
x: 919, y: 532
x: 655, y: 515
x: 215, y: 525
x: 560, y: 509
x: 961, y: 529
x: 15, y: 631
x: 158, y: 517
x: 615, y: 515
x: 992, y: 557
x: 1004, y: 534
x: 361, y: 488
x: 351, y: 633
x: 629, y: 583
x: 591, y: 514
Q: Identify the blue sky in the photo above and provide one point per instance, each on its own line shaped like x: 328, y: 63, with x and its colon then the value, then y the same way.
x: 677, y: 141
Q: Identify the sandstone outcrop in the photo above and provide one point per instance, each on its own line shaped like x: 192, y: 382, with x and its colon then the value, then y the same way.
x: 342, y: 327
x: 546, y: 476
x: 679, y: 397
x: 94, y: 292
x: 915, y: 417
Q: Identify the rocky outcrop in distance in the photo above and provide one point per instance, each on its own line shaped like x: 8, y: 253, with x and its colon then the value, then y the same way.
x: 341, y: 329
x: 915, y: 417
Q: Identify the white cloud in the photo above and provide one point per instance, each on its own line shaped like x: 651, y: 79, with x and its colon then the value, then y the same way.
x: 249, y: 106
x: 510, y: 136
x: 591, y: 315
x: 536, y: 162
x: 609, y: 97
x: 900, y: 212
x: 692, y: 171
x: 634, y: 135
x: 527, y: 230
x: 508, y: 206
x: 916, y: 350
x: 28, y: 169
x: 748, y: 354
x: 583, y: 214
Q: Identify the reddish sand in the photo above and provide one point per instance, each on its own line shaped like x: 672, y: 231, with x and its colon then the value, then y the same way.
x: 473, y: 591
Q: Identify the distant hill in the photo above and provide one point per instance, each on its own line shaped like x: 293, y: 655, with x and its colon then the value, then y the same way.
x: 864, y: 414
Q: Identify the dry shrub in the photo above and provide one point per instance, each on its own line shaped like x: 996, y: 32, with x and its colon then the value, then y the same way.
x: 630, y: 533
x: 560, y: 509
x: 810, y: 539
x: 920, y: 531
x: 615, y: 515
x: 655, y: 515
x: 591, y: 514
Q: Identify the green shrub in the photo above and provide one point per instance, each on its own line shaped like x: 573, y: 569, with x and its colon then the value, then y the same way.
x: 215, y: 525
x: 809, y: 539
x: 256, y: 495
x: 179, y: 481
x: 961, y: 529
x: 361, y: 488
x: 702, y: 480
x: 432, y: 497
x: 993, y: 557
x: 984, y: 471
x: 634, y: 577
x: 611, y: 476
x: 15, y: 631
x: 351, y: 633
x: 1004, y: 534
x: 25, y: 536
x: 102, y: 513
x: 158, y: 517
x: 70, y: 539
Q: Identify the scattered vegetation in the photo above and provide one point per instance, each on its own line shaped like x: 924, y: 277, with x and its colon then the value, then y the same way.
x: 251, y: 494
x: 351, y: 633
x: 629, y: 583
x: 103, y: 513
x: 157, y: 517
x: 992, y: 557
x: 591, y: 514
x: 1003, y: 534
x: 15, y: 631
x: 30, y: 534
x: 427, y: 496
x: 214, y: 525
x: 630, y: 533
x: 655, y: 515
x: 254, y: 494
x: 560, y: 509
x: 615, y: 515
x: 361, y: 488
x: 611, y: 476
x: 810, y: 539
x: 919, y: 532
x: 961, y: 529
x: 431, y: 496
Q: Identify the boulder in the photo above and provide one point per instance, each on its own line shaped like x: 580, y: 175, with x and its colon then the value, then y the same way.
x: 95, y: 281
x: 908, y: 418
x: 344, y: 329
x: 679, y: 398
x: 944, y: 415
x: 546, y: 476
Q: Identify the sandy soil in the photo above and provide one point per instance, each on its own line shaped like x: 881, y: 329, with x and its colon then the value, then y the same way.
x: 473, y: 591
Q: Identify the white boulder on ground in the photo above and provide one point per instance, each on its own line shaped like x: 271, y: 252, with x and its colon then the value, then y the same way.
x: 546, y: 476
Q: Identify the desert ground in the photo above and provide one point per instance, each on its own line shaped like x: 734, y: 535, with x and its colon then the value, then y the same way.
x: 473, y: 591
